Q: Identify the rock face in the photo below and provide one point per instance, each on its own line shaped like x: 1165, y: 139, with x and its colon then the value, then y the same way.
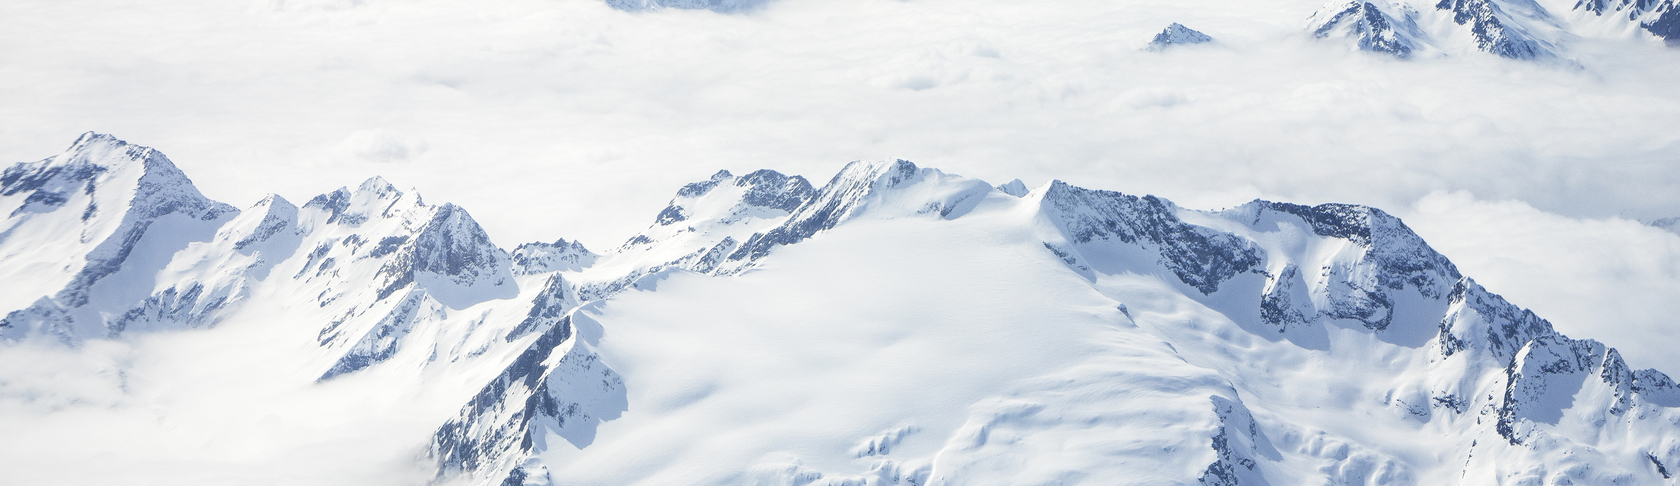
x: 558, y: 385
x: 1201, y: 258
x: 1234, y: 344
x: 1175, y: 35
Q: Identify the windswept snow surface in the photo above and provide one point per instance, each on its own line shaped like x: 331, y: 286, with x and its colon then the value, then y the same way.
x: 894, y: 325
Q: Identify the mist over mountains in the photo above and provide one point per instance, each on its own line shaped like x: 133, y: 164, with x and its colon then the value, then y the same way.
x: 893, y: 324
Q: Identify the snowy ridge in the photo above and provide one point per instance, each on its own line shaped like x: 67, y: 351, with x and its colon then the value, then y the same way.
x: 721, y: 226
x: 106, y: 211
x: 534, y: 258
x: 1515, y: 29
x: 1376, y: 26
x: 1071, y: 335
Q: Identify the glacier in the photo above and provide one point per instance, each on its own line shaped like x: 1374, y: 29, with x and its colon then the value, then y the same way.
x: 895, y: 325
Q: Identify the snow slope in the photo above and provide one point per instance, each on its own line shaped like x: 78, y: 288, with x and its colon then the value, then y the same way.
x: 896, y: 325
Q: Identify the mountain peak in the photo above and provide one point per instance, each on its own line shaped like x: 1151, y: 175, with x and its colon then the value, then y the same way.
x: 1373, y: 25
x: 1177, y: 35
x: 115, y: 193
x: 378, y: 187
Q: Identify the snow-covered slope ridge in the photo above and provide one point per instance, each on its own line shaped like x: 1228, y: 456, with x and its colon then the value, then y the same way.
x: 1660, y: 18
x: 86, y: 229
x: 366, y: 266
x: 898, y: 325
x: 1452, y: 384
x: 725, y: 224
x: 1376, y: 26
x: 1516, y: 29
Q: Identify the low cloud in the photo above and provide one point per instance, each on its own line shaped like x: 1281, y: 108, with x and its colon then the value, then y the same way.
x: 381, y: 145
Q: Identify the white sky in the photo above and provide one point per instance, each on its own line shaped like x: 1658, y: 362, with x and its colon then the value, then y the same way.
x: 563, y: 118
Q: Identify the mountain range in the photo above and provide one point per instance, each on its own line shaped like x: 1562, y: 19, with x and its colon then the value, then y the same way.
x: 893, y: 325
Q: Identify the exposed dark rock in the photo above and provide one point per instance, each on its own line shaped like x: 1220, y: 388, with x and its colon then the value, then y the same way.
x: 1490, y: 27
x: 1370, y: 27
x: 1202, y: 258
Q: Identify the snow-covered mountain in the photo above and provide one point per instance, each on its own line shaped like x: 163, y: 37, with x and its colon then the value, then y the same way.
x: 896, y: 325
x: 1176, y: 35
x: 1516, y: 29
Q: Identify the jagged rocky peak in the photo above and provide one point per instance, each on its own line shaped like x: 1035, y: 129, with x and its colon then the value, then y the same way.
x: 373, y: 198
x: 271, y: 217
x: 1372, y: 25
x: 539, y: 257
x: 1516, y: 29
x: 120, y: 195
x: 721, y: 6
x: 1386, y: 267
x: 1177, y: 35
x: 450, y: 247
x: 759, y: 194
x: 1659, y: 17
x: 894, y: 188
x: 143, y: 178
x: 205, y: 278
x: 1482, y: 323
x: 557, y: 386
x: 1503, y: 27
x: 440, y: 248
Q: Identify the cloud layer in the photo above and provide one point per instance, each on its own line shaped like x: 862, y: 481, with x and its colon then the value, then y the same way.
x: 595, y: 114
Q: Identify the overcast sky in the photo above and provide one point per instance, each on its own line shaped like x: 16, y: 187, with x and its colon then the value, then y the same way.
x: 565, y: 118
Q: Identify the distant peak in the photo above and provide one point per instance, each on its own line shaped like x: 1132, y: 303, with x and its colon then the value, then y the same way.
x: 273, y: 200
x: 377, y: 184
x: 91, y: 138
x: 1014, y: 188
x: 1177, y: 34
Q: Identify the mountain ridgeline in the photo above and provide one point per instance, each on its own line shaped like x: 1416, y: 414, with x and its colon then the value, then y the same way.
x: 109, y: 239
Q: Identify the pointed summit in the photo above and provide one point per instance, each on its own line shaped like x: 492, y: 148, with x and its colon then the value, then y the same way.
x: 1015, y: 188
x: 116, y: 193
x: 1374, y: 26
x: 1177, y: 34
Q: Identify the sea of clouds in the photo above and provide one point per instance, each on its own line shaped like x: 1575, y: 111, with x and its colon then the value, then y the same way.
x: 568, y: 118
